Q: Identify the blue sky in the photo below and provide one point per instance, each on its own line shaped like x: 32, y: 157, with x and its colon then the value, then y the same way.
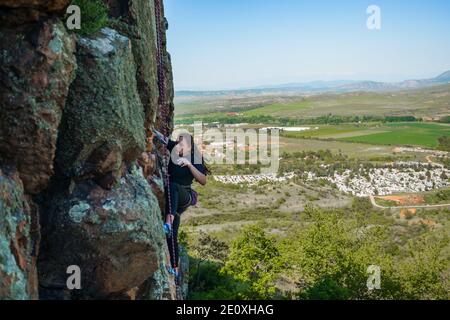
x: 224, y: 44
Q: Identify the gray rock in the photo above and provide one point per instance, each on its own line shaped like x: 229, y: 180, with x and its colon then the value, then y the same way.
x: 102, y: 127
x: 137, y: 21
x: 115, y: 237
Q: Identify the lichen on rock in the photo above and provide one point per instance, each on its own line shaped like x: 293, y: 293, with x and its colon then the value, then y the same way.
x: 136, y: 20
x: 17, y: 259
x: 102, y: 126
x: 36, y: 67
x: 113, y: 236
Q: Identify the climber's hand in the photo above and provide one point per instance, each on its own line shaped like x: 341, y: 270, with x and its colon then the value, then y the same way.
x: 159, y: 136
x: 183, y: 162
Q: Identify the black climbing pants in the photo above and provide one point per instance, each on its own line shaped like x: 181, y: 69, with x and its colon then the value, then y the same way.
x: 180, y: 199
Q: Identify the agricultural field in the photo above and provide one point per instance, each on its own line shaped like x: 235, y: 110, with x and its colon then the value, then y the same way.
x: 417, y: 134
x: 408, y: 133
x: 281, y: 109
x: 353, y: 150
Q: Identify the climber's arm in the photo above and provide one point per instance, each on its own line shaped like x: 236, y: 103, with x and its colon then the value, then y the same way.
x: 196, y: 170
x: 198, y: 175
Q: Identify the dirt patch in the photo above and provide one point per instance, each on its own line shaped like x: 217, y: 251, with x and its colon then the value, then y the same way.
x: 407, y: 213
x: 408, y: 200
x: 427, y: 222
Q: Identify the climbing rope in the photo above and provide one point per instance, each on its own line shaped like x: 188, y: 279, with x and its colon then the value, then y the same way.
x: 165, y: 115
x: 163, y: 105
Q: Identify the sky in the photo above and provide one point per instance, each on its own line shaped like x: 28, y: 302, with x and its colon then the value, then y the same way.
x: 230, y: 44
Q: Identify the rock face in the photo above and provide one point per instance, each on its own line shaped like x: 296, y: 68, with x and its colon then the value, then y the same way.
x: 136, y: 20
x: 42, y: 5
x: 102, y: 128
x: 36, y: 67
x: 17, y: 12
x: 18, y: 244
x: 74, y: 113
x: 111, y: 235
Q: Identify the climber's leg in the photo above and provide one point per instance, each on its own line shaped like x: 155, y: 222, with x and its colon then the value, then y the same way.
x: 180, y: 199
x: 172, y: 209
x: 184, y: 198
x: 173, y: 243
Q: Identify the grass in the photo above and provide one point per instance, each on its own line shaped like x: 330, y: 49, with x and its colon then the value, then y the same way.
x: 385, y: 202
x: 438, y: 197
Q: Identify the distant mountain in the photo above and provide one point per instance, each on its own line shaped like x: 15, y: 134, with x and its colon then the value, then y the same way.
x: 323, y: 86
x: 444, y: 78
x: 309, y: 85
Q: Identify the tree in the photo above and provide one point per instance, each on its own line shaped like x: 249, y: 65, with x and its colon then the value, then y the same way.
x: 208, y: 248
x: 332, y: 256
x: 424, y: 273
x: 254, y: 260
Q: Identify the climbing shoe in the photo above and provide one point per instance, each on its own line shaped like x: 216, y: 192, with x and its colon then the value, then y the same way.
x: 176, y: 275
x: 173, y: 272
x: 168, y: 229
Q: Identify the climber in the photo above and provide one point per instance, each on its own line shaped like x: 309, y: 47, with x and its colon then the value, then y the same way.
x: 186, y: 164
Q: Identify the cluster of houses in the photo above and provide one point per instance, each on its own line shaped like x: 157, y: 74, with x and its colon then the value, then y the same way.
x: 253, y: 179
x: 403, y: 177
x: 393, y: 178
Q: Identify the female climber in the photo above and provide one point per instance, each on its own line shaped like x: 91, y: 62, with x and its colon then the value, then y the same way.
x: 186, y: 164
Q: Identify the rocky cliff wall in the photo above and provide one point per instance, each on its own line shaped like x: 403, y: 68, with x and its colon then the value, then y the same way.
x: 75, y: 112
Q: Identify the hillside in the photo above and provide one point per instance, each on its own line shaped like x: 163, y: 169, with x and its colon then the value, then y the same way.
x: 317, y: 87
x: 425, y: 102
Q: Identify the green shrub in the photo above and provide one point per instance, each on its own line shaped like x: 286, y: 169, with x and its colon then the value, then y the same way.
x: 254, y: 261
x: 94, y: 16
x: 326, y: 257
x: 444, y: 143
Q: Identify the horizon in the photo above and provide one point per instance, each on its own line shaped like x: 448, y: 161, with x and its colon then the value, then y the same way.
x: 285, y: 85
x: 232, y: 47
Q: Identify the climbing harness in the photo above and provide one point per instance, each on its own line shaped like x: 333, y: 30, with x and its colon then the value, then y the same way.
x: 165, y: 115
